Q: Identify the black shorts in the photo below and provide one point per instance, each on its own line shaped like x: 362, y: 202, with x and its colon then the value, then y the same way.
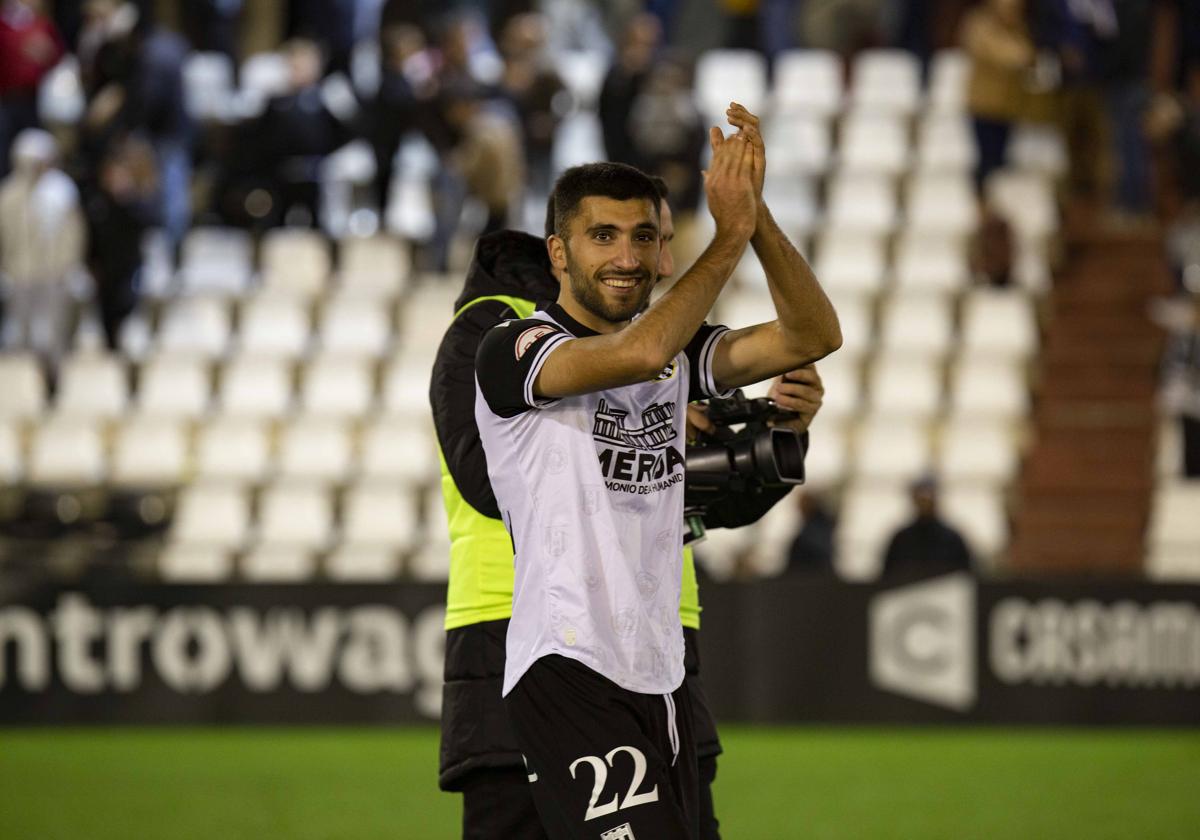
x: 605, y: 763
x: 475, y: 731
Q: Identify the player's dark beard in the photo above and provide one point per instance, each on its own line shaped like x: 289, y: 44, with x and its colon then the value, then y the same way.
x: 587, y: 292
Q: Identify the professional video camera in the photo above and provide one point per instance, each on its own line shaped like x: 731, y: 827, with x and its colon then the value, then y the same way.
x: 728, y: 463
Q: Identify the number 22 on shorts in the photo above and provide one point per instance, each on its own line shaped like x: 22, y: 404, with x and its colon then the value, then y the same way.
x: 632, y: 797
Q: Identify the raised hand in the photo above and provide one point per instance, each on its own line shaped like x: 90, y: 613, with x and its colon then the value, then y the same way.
x: 801, y: 391
x: 729, y: 184
x: 747, y: 124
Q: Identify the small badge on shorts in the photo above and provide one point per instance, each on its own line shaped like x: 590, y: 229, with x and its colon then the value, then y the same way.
x: 621, y: 832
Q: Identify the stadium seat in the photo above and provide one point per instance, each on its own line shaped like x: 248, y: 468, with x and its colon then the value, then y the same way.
x: 1038, y: 148
x: 278, y: 564
x: 315, y: 448
x: 208, y: 86
x: 949, y: 72
x: 941, y: 204
x: 859, y: 203
x: 298, y: 515
x: 826, y: 463
x: 930, y: 263
x: 235, y: 449
x: 337, y: 386
x: 842, y: 379
x: 12, y: 461
x: 979, y: 513
x: 355, y: 326
x: 22, y: 385
x: 774, y: 535
x: 273, y: 325
x: 93, y: 386
x: 799, y: 144
x: 870, y: 514
x: 424, y: 317
x: 875, y: 145
x: 945, y: 144
x: 886, y: 81
x: 197, y: 326
x: 793, y: 202
x: 255, y: 387
x: 398, y: 450
x: 917, y: 326
x: 743, y: 307
x: 67, y: 452
x: 188, y: 563
x: 904, y: 388
x: 724, y: 76
x: 212, y: 515
x: 856, y: 318
x: 999, y: 323
x: 376, y: 266
x: 406, y: 389
x: 363, y: 564
x: 174, y: 386
x: 977, y: 450
x: 1168, y: 456
x: 1173, y: 564
x: 216, y: 261
x: 1026, y: 201
x: 988, y: 388
x: 1173, y: 516
x: 721, y: 550
x: 892, y: 449
x: 850, y: 262
x: 295, y: 261
x: 381, y: 515
x: 150, y: 452
x: 807, y: 82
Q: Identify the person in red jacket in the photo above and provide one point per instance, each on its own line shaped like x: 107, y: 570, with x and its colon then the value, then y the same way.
x: 29, y: 47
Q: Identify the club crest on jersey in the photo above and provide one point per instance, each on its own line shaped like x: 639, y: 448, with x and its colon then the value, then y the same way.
x: 657, y: 426
x: 667, y: 372
x: 526, y: 339
x: 621, y: 832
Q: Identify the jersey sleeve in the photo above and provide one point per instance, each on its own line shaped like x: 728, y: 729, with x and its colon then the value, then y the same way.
x: 509, y: 359
x: 700, y: 352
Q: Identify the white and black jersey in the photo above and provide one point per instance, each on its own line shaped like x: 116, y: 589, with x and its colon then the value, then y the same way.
x: 591, y: 490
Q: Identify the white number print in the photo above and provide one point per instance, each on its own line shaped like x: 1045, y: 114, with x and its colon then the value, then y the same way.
x: 632, y: 797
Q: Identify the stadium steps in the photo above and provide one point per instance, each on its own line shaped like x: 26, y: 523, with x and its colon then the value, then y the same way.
x: 1086, y: 484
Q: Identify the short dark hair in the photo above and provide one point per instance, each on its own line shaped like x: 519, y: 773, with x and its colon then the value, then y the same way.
x: 607, y: 180
x: 664, y: 192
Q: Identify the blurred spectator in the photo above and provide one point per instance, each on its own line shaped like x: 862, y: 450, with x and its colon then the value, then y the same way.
x: 811, y: 552
x: 405, y: 88
x: 487, y: 157
x: 134, y: 79
x: 844, y: 26
x: 1182, y: 387
x: 927, y: 546
x: 622, y: 85
x: 42, y: 238
x: 212, y: 25
x: 280, y: 156
x: 29, y: 47
x: 120, y: 209
x: 333, y: 24
x: 536, y: 91
x: 667, y: 131
x: 992, y: 250
x: 996, y: 37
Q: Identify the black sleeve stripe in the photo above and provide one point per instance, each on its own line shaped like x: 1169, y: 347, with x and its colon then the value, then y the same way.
x: 535, y: 368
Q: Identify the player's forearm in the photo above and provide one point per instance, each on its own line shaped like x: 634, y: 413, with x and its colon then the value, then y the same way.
x: 807, y: 320
x: 669, y: 324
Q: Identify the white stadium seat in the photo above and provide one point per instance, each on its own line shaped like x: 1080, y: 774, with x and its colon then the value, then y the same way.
x: 1039, y: 148
x: 892, y: 450
x: 842, y: 379
x: 979, y: 513
x: 380, y: 514
x: 799, y: 144
x: 273, y: 325
x: 949, y: 72
x: 850, y: 262
x: 826, y: 463
x: 873, y: 144
x: 355, y: 326
x: 337, y: 386
x: 930, y: 263
x: 793, y: 202
x: 295, y: 515
x: 195, y: 325
x: 22, y: 385
x: 376, y: 266
x: 988, y: 388
x: 999, y: 323
x: 1175, y: 515
x: 398, y: 450
x: 977, y: 450
x: 856, y: 319
x: 150, y: 453
x: 941, y: 204
x: 351, y: 563
x: 256, y: 387
x: 278, y: 564
x: 945, y: 144
x: 12, y: 461
x: 174, y: 386
x: 67, y: 452
x: 886, y: 81
x: 861, y: 203
x: 93, y: 385
x: 236, y: 449
x: 213, y: 515
x: 406, y: 389
x: 870, y: 514
x: 189, y: 563
x: 904, y: 387
x: 808, y: 82
x: 724, y: 76
x: 316, y: 448
x: 917, y: 326
x: 216, y: 261
x: 295, y: 261
x: 1026, y: 201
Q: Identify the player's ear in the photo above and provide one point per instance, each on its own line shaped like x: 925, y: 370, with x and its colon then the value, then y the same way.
x: 558, y: 252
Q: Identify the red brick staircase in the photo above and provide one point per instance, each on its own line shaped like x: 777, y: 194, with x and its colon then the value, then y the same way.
x: 1084, y: 493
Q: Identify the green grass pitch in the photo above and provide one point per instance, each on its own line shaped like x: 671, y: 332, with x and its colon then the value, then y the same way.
x: 773, y: 783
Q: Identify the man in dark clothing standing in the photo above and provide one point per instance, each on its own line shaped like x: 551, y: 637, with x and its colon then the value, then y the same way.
x: 927, y: 546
